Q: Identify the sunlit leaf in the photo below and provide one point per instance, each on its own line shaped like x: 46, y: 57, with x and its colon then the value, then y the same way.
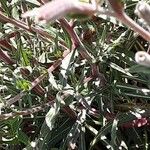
x: 53, y: 112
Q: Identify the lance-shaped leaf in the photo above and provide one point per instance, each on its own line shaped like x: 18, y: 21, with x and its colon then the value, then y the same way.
x: 53, y: 112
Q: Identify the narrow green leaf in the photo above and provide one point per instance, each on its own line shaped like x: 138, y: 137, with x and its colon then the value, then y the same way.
x: 114, y: 134
x: 53, y: 112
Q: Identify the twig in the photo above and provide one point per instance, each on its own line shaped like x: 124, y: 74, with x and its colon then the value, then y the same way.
x: 48, y: 11
x: 124, y: 18
x: 31, y: 29
x: 76, y: 40
x: 26, y: 112
x: 6, y: 58
x: 82, y: 50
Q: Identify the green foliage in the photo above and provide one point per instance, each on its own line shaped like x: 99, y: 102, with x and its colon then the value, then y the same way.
x: 71, y: 89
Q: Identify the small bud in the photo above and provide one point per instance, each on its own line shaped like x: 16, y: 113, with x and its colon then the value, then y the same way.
x: 142, y: 58
x: 143, y: 11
